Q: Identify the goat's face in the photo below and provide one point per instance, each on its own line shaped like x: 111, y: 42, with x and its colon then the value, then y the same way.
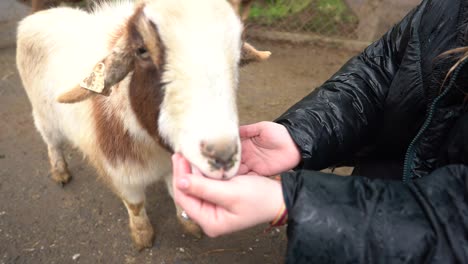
x: 198, y: 115
x: 182, y: 59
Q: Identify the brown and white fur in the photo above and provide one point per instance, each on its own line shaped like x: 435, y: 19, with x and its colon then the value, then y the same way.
x: 169, y: 73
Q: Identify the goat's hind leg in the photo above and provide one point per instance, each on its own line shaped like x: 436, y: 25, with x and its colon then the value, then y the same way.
x: 58, y: 165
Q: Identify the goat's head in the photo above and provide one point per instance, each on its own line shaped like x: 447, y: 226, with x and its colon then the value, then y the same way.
x: 186, y: 55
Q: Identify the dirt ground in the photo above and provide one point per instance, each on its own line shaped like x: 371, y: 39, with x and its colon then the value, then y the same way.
x: 84, y: 222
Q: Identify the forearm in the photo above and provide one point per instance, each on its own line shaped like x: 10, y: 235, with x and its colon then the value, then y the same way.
x: 342, y: 116
x: 335, y: 219
x: 330, y: 124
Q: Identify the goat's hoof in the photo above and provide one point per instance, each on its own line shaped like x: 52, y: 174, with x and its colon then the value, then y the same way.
x: 143, y: 238
x: 191, y: 227
x: 61, y: 177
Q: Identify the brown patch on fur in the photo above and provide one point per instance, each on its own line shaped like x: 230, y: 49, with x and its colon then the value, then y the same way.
x: 146, y: 92
x: 114, y: 141
x: 145, y: 97
x: 144, y: 33
x: 75, y: 95
x: 136, y: 208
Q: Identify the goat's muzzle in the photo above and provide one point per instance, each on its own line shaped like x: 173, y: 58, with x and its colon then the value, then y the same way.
x: 221, y: 154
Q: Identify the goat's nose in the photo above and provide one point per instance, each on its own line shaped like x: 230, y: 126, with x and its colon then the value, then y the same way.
x: 221, y: 153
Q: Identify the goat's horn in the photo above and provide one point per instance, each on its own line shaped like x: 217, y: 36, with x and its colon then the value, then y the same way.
x: 241, y: 7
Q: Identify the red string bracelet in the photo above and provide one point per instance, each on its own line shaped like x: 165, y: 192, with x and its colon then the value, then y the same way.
x: 282, y: 215
x: 281, y: 218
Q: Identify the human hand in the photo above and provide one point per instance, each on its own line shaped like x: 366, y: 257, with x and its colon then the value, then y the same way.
x: 222, y: 207
x: 267, y: 149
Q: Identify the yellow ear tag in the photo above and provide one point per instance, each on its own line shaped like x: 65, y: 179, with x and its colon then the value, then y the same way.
x: 96, y: 80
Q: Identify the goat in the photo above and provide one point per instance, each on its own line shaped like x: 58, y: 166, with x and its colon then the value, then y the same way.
x: 129, y: 84
x: 242, y: 7
x: 38, y: 5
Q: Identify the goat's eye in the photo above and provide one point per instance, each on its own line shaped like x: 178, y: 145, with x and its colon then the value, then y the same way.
x: 142, y: 52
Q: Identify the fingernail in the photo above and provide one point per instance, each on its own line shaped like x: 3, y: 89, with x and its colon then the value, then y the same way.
x: 183, y: 183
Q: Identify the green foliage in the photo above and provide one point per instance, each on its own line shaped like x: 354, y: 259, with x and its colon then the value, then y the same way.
x: 336, y: 7
x: 324, y: 16
x: 273, y: 10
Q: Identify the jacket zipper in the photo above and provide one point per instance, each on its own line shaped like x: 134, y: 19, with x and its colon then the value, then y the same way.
x: 410, y: 152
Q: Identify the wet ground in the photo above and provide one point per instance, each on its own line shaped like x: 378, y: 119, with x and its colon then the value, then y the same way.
x: 84, y: 222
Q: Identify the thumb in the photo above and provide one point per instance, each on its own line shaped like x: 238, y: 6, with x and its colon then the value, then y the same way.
x: 213, y: 191
x: 249, y: 131
x: 180, y: 166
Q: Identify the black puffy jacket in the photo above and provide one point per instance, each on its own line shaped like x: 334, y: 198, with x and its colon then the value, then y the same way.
x: 389, y: 113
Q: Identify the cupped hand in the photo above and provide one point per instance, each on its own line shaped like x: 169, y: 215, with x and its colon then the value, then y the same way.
x: 267, y: 149
x: 222, y: 207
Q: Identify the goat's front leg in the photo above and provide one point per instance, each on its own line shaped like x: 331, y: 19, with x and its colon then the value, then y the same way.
x: 133, y: 196
x: 59, y: 168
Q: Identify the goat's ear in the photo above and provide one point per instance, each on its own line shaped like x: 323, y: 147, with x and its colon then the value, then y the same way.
x: 105, y: 74
x: 75, y: 95
x: 250, y: 54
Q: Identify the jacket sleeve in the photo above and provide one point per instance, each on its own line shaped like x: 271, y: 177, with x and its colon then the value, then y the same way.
x: 337, y: 118
x: 336, y: 219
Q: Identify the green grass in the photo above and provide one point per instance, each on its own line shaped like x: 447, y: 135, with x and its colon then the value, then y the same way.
x: 273, y: 10
x: 324, y: 16
x: 336, y: 7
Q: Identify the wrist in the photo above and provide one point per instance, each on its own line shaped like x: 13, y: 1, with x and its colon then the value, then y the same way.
x: 278, y: 212
x: 281, y: 217
x: 293, y: 150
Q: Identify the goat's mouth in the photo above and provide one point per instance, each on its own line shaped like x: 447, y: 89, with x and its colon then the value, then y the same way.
x: 214, y: 166
x: 217, y: 158
x: 219, y: 174
x: 221, y: 162
x: 221, y: 166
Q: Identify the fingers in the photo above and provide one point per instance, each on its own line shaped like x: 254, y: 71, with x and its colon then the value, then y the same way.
x: 180, y: 165
x: 198, y: 186
x: 180, y: 170
x: 209, y: 190
x: 191, y: 204
x: 198, y: 210
x: 249, y: 131
x: 191, y: 197
x: 243, y: 169
x: 208, y: 216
